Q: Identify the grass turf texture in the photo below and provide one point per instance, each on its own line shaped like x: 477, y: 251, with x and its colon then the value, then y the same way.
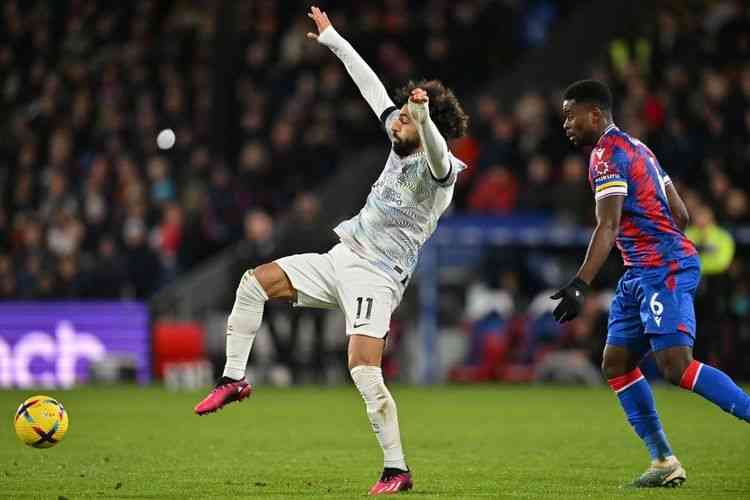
x: 461, y: 442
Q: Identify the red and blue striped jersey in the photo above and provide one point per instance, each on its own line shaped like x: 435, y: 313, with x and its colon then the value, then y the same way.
x: 621, y: 165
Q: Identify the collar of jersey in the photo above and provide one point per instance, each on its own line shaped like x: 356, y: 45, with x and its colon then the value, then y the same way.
x: 607, y: 130
x: 412, y: 156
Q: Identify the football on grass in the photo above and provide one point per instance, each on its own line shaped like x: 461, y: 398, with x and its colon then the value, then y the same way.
x: 41, y: 422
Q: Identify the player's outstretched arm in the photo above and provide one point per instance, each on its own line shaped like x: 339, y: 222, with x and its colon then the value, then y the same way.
x: 432, y: 140
x: 364, y: 77
x: 608, y: 213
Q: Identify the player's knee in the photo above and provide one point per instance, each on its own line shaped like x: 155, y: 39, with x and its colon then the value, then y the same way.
x: 361, y: 359
x: 274, y: 281
x: 249, y: 300
x: 618, y: 361
x: 250, y: 289
x: 673, y: 362
x: 672, y: 368
x: 611, y: 369
x: 365, y: 351
x: 671, y: 374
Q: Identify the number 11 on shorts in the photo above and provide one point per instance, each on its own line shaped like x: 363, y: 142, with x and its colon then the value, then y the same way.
x: 359, y: 307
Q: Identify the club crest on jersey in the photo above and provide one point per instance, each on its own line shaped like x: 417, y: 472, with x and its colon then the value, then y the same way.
x: 601, y: 168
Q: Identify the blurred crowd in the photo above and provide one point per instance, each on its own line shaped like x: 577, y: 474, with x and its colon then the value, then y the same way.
x: 91, y: 207
x: 681, y: 85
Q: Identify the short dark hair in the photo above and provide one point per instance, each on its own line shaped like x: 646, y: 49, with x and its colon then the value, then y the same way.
x: 445, y: 110
x: 590, y: 91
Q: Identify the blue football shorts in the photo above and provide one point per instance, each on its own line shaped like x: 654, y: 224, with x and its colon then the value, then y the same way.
x: 653, y: 307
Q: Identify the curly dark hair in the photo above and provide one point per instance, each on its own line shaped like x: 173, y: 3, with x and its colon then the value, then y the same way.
x: 445, y: 110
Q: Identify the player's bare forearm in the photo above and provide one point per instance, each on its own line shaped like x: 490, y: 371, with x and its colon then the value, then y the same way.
x: 433, y: 142
x: 436, y: 149
x: 608, y: 212
x: 602, y: 241
x: 677, y: 207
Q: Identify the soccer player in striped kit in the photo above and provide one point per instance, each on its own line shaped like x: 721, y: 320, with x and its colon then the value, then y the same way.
x: 639, y: 209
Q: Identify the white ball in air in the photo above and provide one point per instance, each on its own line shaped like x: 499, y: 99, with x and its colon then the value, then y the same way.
x: 165, y: 139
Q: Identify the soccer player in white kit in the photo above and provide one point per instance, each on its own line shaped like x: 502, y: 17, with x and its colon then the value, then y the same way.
x: 366, y: 273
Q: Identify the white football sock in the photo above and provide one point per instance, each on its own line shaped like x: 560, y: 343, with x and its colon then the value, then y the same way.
x: 381, y: 410
x: 242, y: 324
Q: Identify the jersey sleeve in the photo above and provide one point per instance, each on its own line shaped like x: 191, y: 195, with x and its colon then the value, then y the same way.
x: 663, y: 174
x: 608, y: 168
x: 364, y: 77
x: 456, y: 166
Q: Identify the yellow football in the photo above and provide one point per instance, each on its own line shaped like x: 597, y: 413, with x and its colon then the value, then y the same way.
x: 41, y: 422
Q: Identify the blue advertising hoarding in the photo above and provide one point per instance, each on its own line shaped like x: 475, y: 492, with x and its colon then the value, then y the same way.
x: 52, y: 344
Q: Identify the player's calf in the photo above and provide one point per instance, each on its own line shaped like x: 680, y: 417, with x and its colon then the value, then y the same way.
x: 717, y: 387
x: 382, y: 413
x: 242, y: 324
x: 678, y: 366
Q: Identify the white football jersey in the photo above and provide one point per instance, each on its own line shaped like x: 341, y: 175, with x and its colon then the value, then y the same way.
x: 401, y: 212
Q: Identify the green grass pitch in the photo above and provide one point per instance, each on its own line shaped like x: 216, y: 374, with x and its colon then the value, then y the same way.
x: 310, y: 442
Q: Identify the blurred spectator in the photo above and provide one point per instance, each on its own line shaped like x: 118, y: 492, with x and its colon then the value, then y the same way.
x: 494, y: 192
x: 4, y: 232
x: 7, y: 278
x: 162, y: 186
x: 306, y: 237
x: 493, y: 338
x: 535, y: 193
x: 737, y: 207
x: 716, y: 249
x: 69, y: 282
x: 501, y: 148
x: 715, y: 244
x: 258, y: 245
x: 575, y: 358
x: 169, y: 238
x: 107, y: 278
x: 572, y: 194
x: 142, y: 263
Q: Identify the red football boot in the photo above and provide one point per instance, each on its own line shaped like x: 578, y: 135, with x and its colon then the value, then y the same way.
x: 392, y: 481
x: 225, y: 392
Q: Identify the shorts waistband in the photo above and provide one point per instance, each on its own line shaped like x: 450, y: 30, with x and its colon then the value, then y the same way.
x: 393, y: 270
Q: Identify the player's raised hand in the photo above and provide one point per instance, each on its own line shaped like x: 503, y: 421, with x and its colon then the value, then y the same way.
x: 321, y: 21
x: 418, y: 106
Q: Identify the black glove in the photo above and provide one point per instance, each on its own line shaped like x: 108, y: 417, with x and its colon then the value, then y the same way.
x: 572, y: 296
